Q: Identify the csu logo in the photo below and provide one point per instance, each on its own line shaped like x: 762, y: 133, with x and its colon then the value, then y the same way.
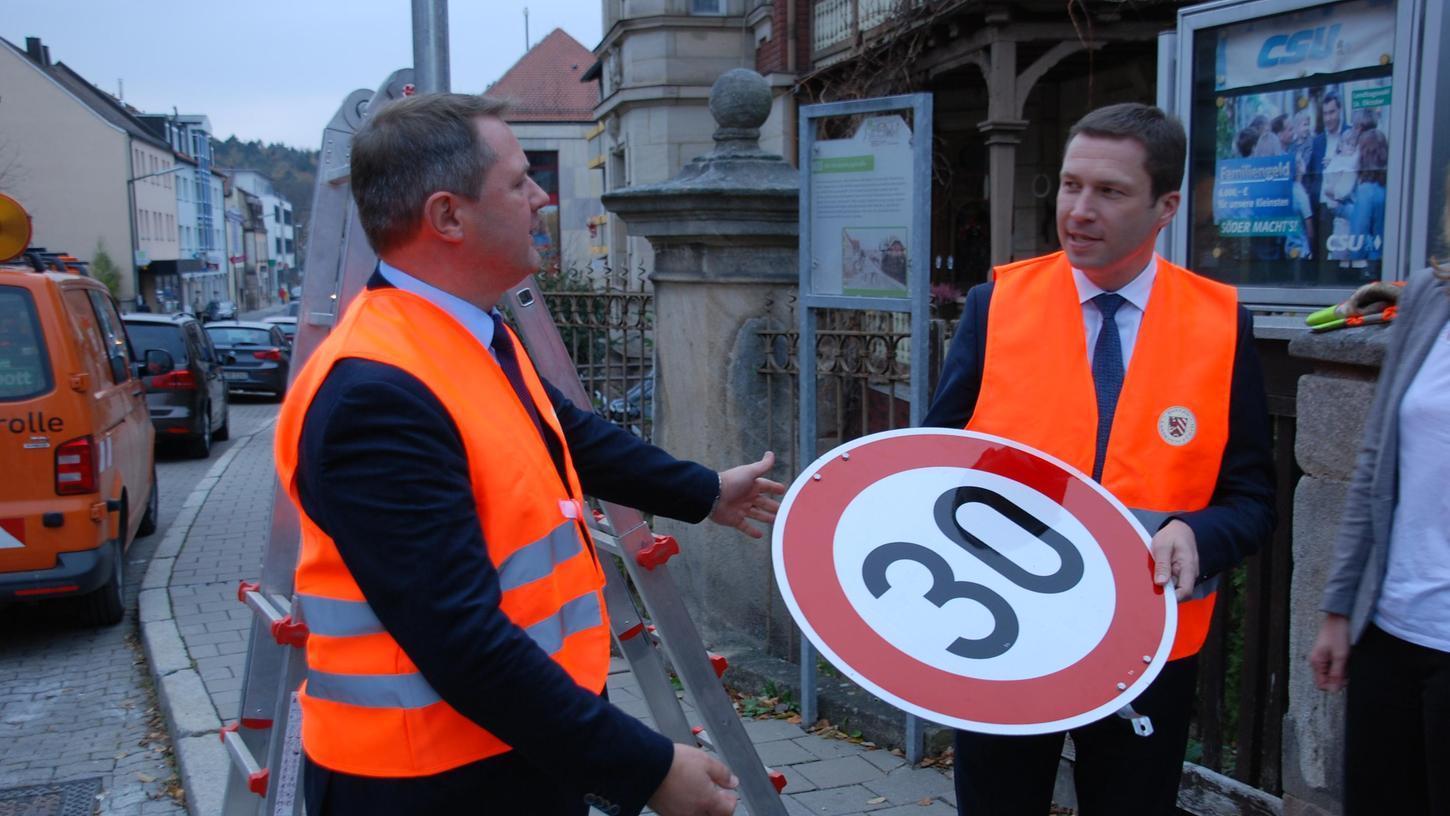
x: 1287, y: 49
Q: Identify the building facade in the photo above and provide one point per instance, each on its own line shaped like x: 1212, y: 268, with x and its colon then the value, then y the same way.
x: 552, y: 114
x: 200, y: 274
x: 93, y: 178
x: 279, y: 224
x: 655, y: 67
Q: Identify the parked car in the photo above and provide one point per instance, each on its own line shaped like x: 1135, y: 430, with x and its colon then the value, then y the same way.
x: 293, y: 308
x: 288, y: 324
x: 189, y: 400
x: 261, y: 355
x: 637, y: 402
x: 76, y: 442
x: 220, y: 310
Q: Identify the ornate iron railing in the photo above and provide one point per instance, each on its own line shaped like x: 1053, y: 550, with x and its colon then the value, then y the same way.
x: 607, y: 325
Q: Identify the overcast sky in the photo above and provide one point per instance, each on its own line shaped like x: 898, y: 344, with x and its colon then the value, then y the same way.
x: 276, y: 70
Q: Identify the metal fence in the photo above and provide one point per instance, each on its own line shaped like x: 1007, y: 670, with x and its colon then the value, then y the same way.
x: 607, y: 324
x: 862, y: 360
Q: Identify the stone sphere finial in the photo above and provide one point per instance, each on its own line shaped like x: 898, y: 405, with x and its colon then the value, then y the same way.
x: 740, y: 102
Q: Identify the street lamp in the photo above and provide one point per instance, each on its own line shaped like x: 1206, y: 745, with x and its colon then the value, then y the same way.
x: 131, y: 217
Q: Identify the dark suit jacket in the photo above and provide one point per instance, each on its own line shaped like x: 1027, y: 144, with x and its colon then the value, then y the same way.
x: 382, y: 471
x: 1241, y: 513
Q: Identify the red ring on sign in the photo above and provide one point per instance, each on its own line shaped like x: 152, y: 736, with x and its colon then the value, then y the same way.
x: 1136, y: 629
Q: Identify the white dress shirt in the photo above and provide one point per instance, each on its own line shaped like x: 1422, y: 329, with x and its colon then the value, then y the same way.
x: 1129, y: 316
x: 478, y: 322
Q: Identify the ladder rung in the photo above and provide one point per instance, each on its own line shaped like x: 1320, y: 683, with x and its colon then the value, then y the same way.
x: 605, y: 541
x: 273, y: 610
x: 244, y: 761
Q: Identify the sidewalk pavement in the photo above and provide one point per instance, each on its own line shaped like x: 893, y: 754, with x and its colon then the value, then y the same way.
x: 195, y: 634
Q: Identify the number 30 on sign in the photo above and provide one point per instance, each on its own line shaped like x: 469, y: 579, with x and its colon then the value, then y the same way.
x: 972, y: 581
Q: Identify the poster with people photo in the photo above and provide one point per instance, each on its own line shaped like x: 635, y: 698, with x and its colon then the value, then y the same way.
x: 1301, y: 173
x: 1290, y: 146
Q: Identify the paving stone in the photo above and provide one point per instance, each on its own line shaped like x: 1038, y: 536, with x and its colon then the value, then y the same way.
x: 935, y: 808
x: 907, y: 784
x: 885, y: 760
x: 783, y: 752
x: 847, y: 770
x: 827, y: 748
x: 769, y: 730
x: 840, y: 801
x: 794, y: 782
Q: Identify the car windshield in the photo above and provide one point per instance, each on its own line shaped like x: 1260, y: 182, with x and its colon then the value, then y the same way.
x: 24, y: 367
x: 158, y: 336
x: 239, y: 336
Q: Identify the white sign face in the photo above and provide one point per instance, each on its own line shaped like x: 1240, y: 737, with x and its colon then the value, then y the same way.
x: 860, y: 210
x: 972, y: 581
x: 1321, y: 40
x: 1054, y: 630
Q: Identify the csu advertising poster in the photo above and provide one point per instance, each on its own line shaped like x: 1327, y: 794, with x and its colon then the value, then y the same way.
x: 1294, y: 168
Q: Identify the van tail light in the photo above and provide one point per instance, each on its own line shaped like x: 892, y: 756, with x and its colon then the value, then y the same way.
x: 178, y: 380
x: 75, y: 467
x: 273, y: 354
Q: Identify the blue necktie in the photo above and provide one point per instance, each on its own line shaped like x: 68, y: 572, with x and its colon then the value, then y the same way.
x: 1107, y: 374
x: 504, y: 352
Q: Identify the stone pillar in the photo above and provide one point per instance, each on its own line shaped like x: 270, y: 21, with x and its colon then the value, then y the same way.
x: 1331, y: 405
x: 724, y: 234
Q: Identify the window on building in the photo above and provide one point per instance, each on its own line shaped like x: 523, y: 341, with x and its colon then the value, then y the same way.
x: 707, y: 6
x: 279, y: 246
x: 544, y: 170
x: 290, y: 248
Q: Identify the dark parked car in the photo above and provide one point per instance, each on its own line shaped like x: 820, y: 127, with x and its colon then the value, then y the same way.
x: 261, y: 355
x: 637, y: 402
x: 190, y: 400
x: 220, y: 310
x: 288, y: 324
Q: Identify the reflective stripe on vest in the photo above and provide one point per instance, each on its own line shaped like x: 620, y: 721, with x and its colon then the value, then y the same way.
x: 410, y: 690
x: 366, y: 708
x: 1037, y: 389
x: 537, y: 560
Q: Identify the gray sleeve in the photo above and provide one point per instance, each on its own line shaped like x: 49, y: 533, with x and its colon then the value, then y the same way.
x: 1356, y: 531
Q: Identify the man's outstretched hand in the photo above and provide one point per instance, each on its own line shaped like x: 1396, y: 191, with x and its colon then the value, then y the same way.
x: 745, y: 494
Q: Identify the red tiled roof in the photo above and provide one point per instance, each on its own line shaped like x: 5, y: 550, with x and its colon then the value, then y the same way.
x: 544, y: 84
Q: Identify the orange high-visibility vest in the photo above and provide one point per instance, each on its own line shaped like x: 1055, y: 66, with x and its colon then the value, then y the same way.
x: 1171, y: 422
x: 365, y: 708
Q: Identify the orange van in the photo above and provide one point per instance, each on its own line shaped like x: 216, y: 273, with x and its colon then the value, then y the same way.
x: 76, y: 442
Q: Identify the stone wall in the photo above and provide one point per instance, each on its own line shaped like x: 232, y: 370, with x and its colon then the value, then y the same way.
x: 1331, y: 405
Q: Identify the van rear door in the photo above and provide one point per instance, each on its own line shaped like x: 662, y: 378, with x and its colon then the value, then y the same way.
x: 27, y: 432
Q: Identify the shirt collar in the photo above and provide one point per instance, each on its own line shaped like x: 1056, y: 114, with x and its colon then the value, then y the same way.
x: 477, y: 321
x: 1135, y: 291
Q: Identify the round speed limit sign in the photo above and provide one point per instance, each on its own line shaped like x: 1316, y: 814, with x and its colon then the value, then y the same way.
x: 973, y: 581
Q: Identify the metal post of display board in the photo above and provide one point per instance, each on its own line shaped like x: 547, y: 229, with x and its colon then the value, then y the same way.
x: 914, y: 300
